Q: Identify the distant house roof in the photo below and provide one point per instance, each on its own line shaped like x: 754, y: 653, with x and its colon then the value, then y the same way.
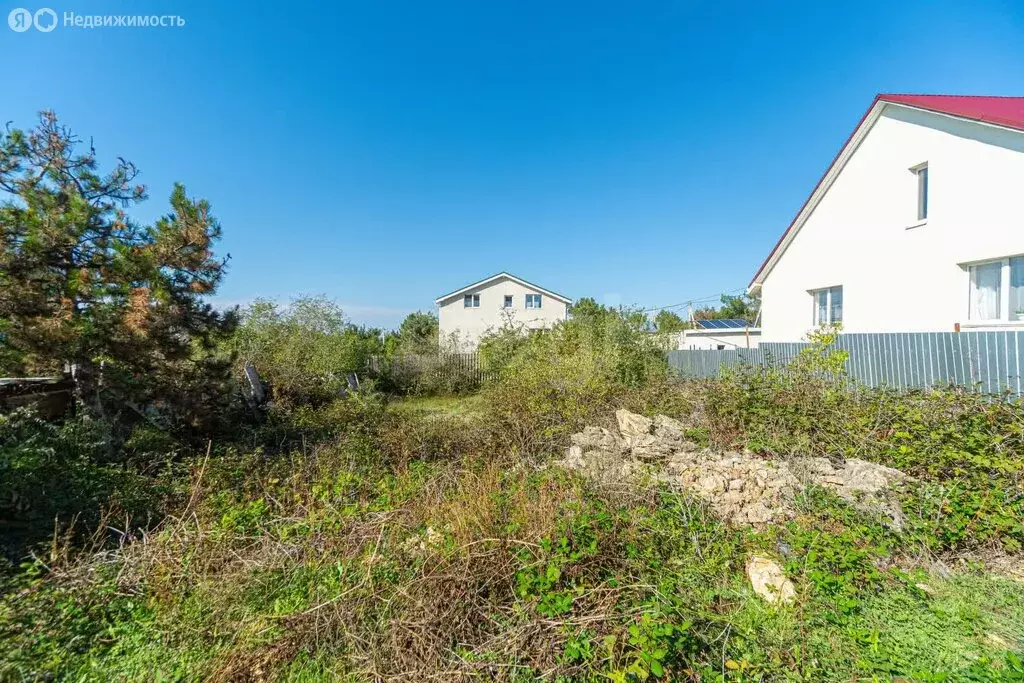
x: 1006, y: 112
x: 510, y: 276
x: 722, y: 324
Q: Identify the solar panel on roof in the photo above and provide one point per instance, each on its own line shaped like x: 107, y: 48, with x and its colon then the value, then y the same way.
x: 725, y: 323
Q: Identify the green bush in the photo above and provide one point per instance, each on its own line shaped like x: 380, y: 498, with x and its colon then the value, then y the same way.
x: 556, y: 381
x: 54, y: 476
x: 303, y: 351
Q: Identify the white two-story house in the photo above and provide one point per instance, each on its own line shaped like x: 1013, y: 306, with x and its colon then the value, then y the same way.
x: 469, y: 313
x: 917, y: 225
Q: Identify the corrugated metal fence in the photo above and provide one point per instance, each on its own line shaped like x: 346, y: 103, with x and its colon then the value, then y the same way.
x: 992, y: 362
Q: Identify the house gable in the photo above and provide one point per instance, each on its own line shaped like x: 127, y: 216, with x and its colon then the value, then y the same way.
x: 899, y: 272
x: 445, y: 299
x: 1002, y: 113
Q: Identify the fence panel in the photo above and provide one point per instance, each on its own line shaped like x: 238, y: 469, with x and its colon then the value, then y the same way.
x: 990, y: 362
x: 437, y: 368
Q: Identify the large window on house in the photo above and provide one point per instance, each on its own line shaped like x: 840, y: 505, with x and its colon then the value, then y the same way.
x: 533, y: 300
x: 997, y: 291
x: 471, y: 301
x: 921, y: 171
x: 828, y: 306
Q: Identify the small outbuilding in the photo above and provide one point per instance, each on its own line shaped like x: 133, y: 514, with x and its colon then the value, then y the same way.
x: 725, y: 334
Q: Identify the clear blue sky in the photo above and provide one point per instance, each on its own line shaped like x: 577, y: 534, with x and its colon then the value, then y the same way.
x: 384, y: 153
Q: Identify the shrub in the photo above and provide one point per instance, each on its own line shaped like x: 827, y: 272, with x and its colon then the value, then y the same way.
x: 303, y: 351
x: 557, y: 380
x: 53, y: 476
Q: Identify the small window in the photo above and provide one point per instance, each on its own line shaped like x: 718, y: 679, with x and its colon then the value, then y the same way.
x: 471, y: 301
x: 508, y: 301
x: 997, y: 291
x: 533, y: 300
x: 921, y: 171
x: 721, y: 347
x: 828, y: 306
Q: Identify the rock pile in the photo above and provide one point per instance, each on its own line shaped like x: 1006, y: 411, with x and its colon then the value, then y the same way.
x: 740, y: 487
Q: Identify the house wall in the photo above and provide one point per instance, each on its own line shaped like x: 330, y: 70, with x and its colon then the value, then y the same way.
x: 472, y: 323
x: 898, y: 276
x: 712, y: 339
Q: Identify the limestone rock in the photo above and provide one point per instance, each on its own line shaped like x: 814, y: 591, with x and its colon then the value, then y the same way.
x: 865, y: 485
x: 648, y: 447
x: 597, y: 438
x: 574, y: 458
x: 758, y: 514
x: 769, y: 581
x: 667, y: 428
x: 740, y: 487
x: 631, y: 424
x: 711, y: 484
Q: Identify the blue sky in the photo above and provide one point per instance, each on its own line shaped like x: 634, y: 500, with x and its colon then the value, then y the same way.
x: 384, y: 153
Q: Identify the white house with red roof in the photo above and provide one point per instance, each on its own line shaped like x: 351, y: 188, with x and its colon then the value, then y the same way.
x: 916, y: 226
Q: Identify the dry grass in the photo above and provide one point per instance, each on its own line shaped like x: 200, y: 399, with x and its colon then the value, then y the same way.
x: 429, y: 588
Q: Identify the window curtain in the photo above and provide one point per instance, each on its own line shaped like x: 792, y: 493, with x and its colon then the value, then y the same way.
x: 1017, y: 288
x: 837, y: 305
x: 822, y: 312
x: 985, y: 291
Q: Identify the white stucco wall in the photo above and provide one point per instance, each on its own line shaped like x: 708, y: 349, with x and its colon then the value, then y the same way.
x: 712, y: 339
x: 898, y: 278
x: 471, y: 324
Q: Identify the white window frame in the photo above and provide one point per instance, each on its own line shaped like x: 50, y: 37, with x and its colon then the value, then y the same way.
x: 921, y: 176
x: 827, y: 291
x: 532, y: 299
x: 471, y: 301
x: 1006, y: 316
x: 509, y: 301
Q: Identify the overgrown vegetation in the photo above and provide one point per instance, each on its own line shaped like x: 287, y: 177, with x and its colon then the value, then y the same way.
x: 303, y: 351
x: 367, y: 538
x: 966, y: 448
x: 407, y: 542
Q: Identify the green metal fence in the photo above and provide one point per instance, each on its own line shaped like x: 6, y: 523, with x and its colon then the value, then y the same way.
x: 991, y: 362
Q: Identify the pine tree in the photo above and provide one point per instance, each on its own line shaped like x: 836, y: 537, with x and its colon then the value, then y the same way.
x: 82, y: 283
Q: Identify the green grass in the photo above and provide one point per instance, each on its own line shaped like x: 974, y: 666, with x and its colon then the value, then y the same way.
x: 443, y: 406
x: 527, y: 571
x: 411, y: 547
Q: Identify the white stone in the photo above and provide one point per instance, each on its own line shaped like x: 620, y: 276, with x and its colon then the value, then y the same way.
x: 631, y: 424
x: 769, y: 581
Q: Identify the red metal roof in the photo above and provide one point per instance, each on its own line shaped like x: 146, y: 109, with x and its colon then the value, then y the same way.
x: 1000, y: 111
